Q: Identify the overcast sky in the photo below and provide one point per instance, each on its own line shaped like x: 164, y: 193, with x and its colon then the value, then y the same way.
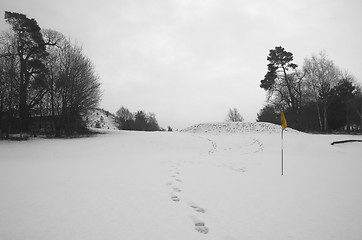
x: 189, y: 61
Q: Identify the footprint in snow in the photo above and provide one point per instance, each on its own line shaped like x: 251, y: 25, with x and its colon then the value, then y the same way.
x: 175, y: 198
x: 200, y: 226
x: 197, y: 208
x: 243, y: 169
x: 176, y: 189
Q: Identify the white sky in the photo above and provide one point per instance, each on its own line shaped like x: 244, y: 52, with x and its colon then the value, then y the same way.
x: 189, y: 61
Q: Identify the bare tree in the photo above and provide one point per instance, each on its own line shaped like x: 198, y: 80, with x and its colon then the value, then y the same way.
x: 53, y: 76
x: 234, y: 116
x: 292, y: 97
x: 73, y: 86
x: 9, y: 81
x: 79, y: 86
x: 321, y: 76
x: 124, y: 114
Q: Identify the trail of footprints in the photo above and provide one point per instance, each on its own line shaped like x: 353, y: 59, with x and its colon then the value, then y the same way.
x: 214, y: 146
x: 175, y: 190
x: 254, y: 147
x: 176, y: 180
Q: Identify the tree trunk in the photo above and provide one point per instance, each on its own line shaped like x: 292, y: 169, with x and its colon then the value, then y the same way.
x: 348, y: 121
x: 325, y: 118
x: 319, y: 117
x: 23, y: 95
x: 55, y: 125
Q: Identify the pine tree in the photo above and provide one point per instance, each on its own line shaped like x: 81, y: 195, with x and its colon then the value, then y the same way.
x: 31, y: 52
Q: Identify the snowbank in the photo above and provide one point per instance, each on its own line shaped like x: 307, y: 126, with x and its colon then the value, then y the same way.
x: 235, y: 127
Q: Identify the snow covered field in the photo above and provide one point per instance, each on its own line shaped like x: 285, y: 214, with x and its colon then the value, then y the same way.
x: 212, y: 181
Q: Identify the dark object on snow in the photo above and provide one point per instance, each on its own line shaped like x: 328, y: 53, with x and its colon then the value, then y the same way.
x: 345, y: 141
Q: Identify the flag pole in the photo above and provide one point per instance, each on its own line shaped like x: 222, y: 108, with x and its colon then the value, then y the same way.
x: 284, y: 126
x: 282, y: 155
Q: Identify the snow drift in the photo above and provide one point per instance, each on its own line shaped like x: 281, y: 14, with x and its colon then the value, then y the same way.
x: 235, y: 127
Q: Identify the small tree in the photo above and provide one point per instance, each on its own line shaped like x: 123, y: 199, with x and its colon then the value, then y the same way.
x: 234, y: 116
x: 124, y: 117
x: 152, y: 124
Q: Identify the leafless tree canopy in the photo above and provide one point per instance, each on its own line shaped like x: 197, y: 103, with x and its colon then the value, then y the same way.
x: 234, y: 116
x: 44, y: 77
x: 317, y: 97
x: 321, y: 76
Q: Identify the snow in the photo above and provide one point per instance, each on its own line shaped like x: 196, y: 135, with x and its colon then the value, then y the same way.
x: 218, y: 184
x: 102, y: 118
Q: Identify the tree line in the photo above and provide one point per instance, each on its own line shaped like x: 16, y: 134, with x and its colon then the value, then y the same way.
x: 316, y: 97
x: 46, y: 82
x: 138, y: 121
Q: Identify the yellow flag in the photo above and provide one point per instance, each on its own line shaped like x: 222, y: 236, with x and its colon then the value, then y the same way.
x: 284, y: 121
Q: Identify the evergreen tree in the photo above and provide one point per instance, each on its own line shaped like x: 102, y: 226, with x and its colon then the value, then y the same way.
x: 152, y: 124
x: 140, y: 121
x: 283, y: 82
x: 31, y: 53
x: 268, y: 114
x: 341, y: 98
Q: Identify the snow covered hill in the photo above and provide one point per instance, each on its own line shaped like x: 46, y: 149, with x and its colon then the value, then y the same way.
x: 235, y: 127
x: 102, y: 119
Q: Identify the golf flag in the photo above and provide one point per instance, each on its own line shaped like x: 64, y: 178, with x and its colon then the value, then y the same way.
x: 284, y: 126
x: 284, y: 121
